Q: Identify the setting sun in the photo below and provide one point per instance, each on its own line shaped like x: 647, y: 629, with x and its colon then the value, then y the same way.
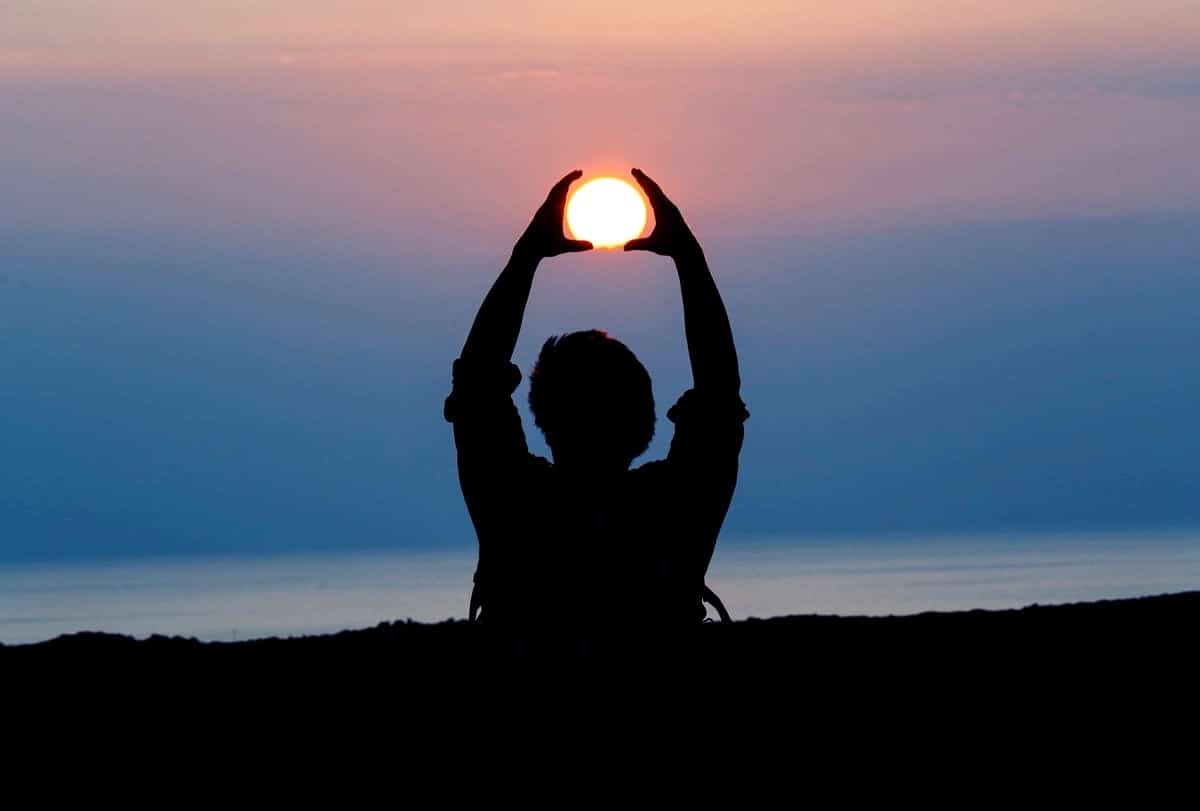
x: 606, y: 211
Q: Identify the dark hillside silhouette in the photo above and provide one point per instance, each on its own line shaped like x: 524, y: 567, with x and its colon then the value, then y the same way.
x: 1086, y: 658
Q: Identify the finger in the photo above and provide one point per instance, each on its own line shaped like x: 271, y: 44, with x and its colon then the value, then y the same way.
x: 576, y: 245
x: 640, y: 244
x: 560, y: 188
x: 652, y: 189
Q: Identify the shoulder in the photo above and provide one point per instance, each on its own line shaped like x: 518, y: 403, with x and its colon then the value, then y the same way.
x: 649, y: 471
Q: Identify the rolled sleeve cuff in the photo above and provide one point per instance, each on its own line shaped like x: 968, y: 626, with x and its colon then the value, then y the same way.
x: 479, y: 383
x: 699, y: 406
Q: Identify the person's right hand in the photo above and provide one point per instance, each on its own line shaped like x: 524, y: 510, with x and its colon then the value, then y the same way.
x: 544, y: 235
x: 671, y: 235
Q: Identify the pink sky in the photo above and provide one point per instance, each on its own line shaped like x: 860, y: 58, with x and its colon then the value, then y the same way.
x: 405, y: 121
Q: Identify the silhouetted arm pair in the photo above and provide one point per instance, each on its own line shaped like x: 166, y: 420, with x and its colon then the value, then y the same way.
x: 493, y: 336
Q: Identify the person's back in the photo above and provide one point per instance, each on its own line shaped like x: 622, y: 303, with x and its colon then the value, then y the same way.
x: 585, y: 539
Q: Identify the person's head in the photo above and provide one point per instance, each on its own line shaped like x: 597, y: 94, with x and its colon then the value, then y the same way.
x: 592, y: 399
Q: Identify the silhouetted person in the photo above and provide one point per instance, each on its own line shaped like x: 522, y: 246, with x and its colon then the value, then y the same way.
x: 585, y: 540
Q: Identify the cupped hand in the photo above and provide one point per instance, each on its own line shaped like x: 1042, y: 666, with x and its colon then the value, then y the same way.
x: 671, y: 235
x: 544, y: 236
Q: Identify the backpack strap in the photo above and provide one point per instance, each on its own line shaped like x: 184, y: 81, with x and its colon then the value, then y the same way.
x: 473, y: 610
x: 709, y: 596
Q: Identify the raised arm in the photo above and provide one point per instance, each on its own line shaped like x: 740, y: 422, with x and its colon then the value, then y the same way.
x: 487, y: 428
x: 493, y: 336
x: 705, y: 322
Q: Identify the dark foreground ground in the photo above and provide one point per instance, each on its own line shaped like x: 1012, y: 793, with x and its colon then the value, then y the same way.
x: 1085, y: 694
x: 967, y: 704
x: 1104, y: 649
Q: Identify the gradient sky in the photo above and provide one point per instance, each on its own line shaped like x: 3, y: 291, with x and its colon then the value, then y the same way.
x: 242, y: 242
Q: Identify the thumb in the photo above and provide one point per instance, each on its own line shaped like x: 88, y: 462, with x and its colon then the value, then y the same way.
x: 639, y: 244
x: 576, y: 245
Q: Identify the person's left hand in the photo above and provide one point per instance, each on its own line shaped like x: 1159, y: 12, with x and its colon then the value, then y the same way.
x: 671, y: 235
x: 544, y: 237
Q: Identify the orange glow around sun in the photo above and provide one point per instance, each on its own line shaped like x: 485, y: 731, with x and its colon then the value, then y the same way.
x: 606, y: 211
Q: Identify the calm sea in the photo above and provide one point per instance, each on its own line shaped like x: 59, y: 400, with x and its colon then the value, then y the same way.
x: 244, y: 598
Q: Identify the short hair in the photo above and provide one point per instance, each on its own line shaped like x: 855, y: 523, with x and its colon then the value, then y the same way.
x: 588, y: 385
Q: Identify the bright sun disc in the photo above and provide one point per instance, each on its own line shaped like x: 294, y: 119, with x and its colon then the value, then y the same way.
x: 607, y: 212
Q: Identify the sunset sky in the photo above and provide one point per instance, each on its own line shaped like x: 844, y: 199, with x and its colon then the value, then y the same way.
x: 243, y: 240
